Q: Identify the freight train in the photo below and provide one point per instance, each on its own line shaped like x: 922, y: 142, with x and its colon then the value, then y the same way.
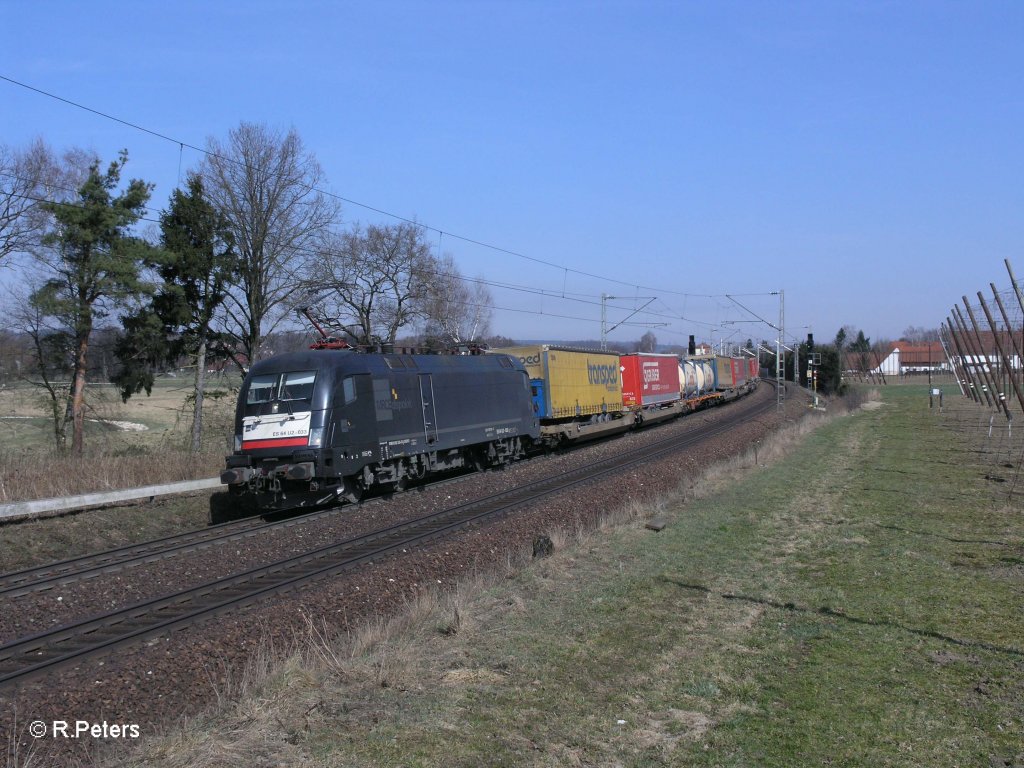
x: 329, y: 424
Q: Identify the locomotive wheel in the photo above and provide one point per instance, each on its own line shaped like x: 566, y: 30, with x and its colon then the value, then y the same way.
x: 354, y: 490
x: 477, y: 460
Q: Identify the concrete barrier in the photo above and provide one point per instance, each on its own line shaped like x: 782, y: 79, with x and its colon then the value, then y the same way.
x: 45, y: 507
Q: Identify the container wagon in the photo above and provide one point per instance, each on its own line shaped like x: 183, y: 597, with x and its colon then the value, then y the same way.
x: 705, y: 374
x: 576, y: 393
x: 652, y: 387
x: 739, y: 371
x: 649, y: 380
x: 754, y: 370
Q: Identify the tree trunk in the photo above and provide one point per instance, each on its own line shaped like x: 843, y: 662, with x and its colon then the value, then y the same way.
x: 52, y: 389
x: 77, y: 395
x: 200, y: 387
x: 59, y: 424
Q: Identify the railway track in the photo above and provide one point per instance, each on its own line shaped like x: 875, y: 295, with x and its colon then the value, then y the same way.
x: 51, y: 575
x: 84, y: 567
x: 57, y: 574
x: 28, y: 657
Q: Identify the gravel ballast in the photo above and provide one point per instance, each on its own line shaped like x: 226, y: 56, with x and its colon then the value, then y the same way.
x: 155, y: 682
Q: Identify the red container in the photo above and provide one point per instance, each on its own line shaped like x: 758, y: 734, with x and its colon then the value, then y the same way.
x: 649, y: 379
x: 752, y: 368
x: 739, y: 371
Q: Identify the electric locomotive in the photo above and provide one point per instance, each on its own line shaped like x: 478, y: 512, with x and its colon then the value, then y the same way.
x: 328, y: 424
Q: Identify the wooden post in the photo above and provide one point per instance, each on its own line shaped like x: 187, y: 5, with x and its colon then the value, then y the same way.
x: 979, y: 368
x: 1020, y: 303
x: 957, y: 362
x: 1009, y: 333
x: 1002, y: 353
x: 958, y: 348
x: 1001, y: 397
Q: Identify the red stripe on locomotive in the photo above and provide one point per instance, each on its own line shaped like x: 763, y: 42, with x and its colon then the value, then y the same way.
x: 283, y: 442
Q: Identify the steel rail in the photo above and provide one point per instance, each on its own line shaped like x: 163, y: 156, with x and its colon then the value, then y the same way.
x: 82, y: 567
x: 40, y: 653
x: 59, y: 573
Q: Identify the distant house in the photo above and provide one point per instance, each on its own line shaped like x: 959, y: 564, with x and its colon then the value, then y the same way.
x: 703, y: 349
x: 905, y: 357
x: 222, y: 365
x: 988, y: 359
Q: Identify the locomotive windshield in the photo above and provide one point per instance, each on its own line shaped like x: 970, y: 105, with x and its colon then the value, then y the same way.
x: 291, y: 386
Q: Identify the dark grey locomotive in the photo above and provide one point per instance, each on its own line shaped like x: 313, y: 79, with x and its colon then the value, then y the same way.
x: 328, y: 424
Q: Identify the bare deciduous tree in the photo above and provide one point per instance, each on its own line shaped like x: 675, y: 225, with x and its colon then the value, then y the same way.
x: 48, y: 357
x: 373, y: 282
x: 457, y: 311
x: 648, y: 342
x: 266, y: 185
x: 917, y: 334
x: 28, y: 178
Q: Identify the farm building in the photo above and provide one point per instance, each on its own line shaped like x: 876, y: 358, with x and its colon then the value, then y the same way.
x: 989, y: 357
x: 905, y: 358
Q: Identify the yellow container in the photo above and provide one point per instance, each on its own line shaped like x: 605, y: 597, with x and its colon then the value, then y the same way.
x: 569, y: 383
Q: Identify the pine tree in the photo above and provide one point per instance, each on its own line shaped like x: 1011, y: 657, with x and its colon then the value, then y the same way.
x: 195, y: 264
x: 94, y: 263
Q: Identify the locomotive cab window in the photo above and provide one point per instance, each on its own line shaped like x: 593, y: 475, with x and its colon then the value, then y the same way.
x: 291, y: 386
x: 261, y: 389
x: 297, y: 385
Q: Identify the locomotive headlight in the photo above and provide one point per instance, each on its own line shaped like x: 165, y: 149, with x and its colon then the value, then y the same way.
x: 316, y: 437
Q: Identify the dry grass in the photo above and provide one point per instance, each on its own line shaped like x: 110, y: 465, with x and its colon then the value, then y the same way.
x: 141, y: 442
x: 333, y: 676
x: 762, y: 454
x: 40, y: 476
x: 19, y: 755
x: 284, y: 694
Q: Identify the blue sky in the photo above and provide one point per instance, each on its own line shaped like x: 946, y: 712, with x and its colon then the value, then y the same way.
x: 866, y: 158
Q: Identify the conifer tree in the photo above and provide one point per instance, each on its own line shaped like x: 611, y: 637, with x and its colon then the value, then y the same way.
x: 195, y: 264
x: 94, y: 263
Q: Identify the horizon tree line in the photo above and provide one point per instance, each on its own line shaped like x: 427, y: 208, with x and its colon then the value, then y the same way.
x: 248, y: 239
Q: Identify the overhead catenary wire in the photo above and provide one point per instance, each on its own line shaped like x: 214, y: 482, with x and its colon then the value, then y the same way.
x: 566, y: 270
x: 398, y: 217
x: 580, y: 298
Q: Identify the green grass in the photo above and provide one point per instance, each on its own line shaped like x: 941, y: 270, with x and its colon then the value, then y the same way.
x: 857, y: 604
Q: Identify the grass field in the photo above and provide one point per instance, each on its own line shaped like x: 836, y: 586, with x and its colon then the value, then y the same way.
x: 857, y: 603
x: 129, y: 444
x: 143, y: 421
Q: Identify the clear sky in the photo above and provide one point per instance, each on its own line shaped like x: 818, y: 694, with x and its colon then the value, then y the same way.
x: 865, y: 157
